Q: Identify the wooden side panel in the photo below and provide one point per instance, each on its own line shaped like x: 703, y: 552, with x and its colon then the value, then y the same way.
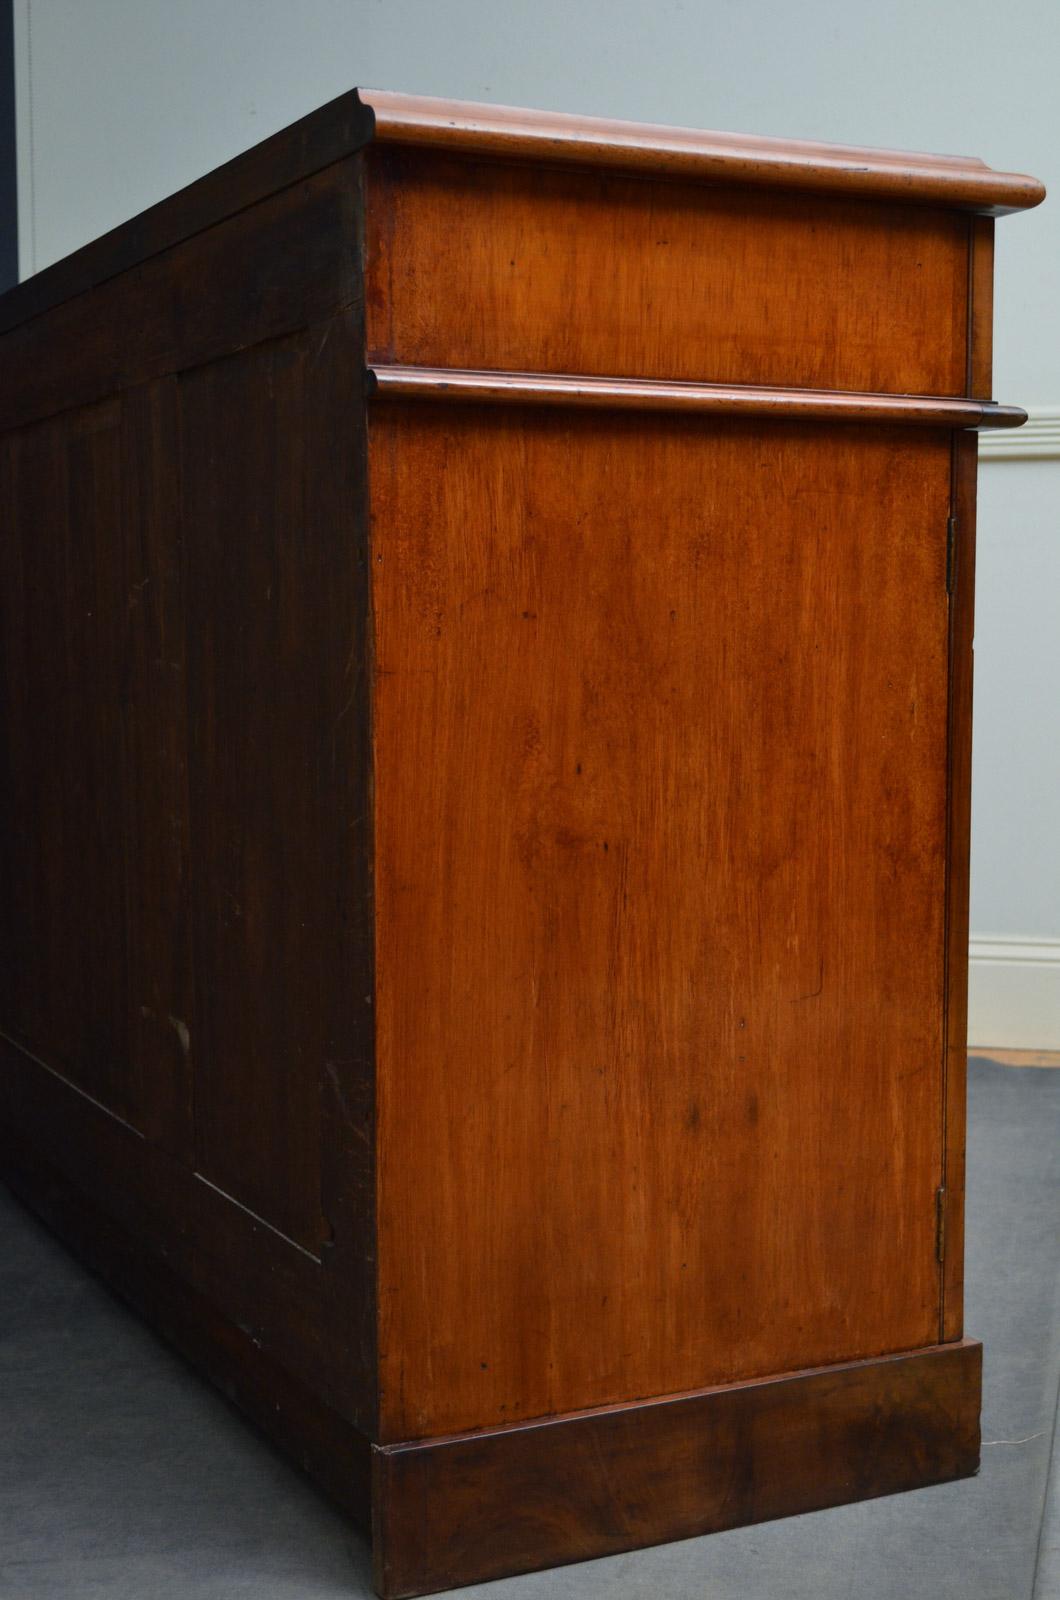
x: 62, y: 841
x: 660, y: 751
x: 481, y: 264
x: 268, y: 485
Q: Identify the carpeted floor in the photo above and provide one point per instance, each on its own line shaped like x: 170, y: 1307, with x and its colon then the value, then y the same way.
x: 122, y: 1475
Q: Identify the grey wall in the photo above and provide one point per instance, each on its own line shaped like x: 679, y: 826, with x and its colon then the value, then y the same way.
x: 1016, y: 732
x: 8, y: 169
x: 132, y: 98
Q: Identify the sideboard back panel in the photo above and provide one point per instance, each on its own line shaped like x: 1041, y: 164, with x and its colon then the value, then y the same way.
x: 63, y: 626
x: 269, y: 580
x: 185, y: 890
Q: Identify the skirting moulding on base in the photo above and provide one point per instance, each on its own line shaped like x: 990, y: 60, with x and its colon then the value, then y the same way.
x: 486, y: 646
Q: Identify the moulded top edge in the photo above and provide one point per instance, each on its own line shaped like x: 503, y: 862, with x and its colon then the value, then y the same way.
x: 964, y: 183
x: 360, y: 117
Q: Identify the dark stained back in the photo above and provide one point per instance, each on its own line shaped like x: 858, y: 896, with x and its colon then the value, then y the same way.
x: 186, y: 905
x: 66, y: 786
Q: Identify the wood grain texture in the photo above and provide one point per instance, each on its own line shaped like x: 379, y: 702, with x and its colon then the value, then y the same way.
x: 696, y: 399
x: 154, y: 765
x: 461, y: 1510
x: 646, y: 977
x: 748, y: 160
x: 269, y: 823
x: 279, y: 790
x: 63, y: 840
x: 485, y: 265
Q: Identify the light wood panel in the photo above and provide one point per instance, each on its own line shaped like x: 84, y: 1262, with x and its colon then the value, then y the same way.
x: 660, y: 752
x: 481, y: 264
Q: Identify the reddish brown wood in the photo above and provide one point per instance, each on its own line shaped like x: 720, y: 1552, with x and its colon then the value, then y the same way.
x: 482, y: 264
x: 349, y: 122
x: 545, y: 137
x: 478, y: 1506
x: 698, y: 399
x: 643, y: 956
x: 483, y: 885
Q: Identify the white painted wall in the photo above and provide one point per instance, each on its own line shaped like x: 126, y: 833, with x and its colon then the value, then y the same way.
x: 122, y: 101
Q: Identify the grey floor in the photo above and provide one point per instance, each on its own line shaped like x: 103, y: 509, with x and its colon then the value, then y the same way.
x: 121, y: 1474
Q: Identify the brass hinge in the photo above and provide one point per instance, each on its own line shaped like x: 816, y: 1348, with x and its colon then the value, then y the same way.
x: 951, y: 553
x: 940, y: 1225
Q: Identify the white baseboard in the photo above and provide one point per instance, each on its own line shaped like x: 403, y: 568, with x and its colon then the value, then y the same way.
x: 1014, y: 993
x: 1039, y: 436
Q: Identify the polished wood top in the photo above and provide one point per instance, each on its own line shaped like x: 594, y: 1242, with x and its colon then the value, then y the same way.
x: 964, y: 183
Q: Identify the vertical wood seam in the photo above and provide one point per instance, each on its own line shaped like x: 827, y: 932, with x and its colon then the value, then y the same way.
x: 953, y: 530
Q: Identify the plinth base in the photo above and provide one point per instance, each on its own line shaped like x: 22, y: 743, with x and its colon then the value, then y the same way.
x: 459, y: 1510
x: 456, y: 1511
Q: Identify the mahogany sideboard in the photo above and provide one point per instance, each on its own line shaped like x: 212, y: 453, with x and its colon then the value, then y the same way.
x: 486, y: 670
